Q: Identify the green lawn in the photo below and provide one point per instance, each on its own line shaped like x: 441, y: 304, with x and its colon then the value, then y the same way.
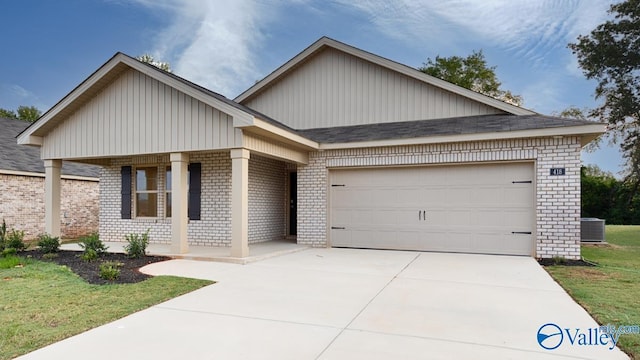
x: 610, y: 292
x: 41, y: 303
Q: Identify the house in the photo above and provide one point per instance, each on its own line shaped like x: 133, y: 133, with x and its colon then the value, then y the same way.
x: 337, y: 147
x: 22, y: 188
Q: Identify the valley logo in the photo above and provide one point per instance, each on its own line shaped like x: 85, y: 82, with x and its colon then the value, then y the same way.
x: 550, y: 336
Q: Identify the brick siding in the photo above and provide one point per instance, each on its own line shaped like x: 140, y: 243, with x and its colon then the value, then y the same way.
x: 557, y: 197
x: 22, y: 205
x: 266, y: 201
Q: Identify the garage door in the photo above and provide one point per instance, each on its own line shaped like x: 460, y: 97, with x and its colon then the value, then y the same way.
x: 467, y: 208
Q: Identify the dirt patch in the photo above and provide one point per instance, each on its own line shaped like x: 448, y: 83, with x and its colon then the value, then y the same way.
x: 590, y: 274
x: 563, y: 262
x: 90, y: 271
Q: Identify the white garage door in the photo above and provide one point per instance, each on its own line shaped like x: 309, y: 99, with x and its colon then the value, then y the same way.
x: 467, y: 208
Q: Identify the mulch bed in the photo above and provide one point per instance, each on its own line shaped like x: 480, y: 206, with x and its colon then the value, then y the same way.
x: 564, y: 262
x: 90, y: 271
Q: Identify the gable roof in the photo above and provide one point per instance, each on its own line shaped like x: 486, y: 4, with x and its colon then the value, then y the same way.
x: 478, y: 126
x: 118, y: 64
x: 110, y: 71
x: 20, y: 158
x: 326, y: 42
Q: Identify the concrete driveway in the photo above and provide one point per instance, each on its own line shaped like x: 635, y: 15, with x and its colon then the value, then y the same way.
x: 349, y: 304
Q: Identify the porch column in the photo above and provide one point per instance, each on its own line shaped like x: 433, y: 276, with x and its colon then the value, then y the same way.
x: 52, y: 197
x: 179, y: 217
x: 239, y: 202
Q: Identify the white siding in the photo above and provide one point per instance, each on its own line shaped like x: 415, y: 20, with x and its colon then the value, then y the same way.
x: 137, y: 114
x: 337, y: 89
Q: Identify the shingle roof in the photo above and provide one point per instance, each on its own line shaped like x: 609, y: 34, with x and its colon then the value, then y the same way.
x: 27, y: 158
x: 440, y: 127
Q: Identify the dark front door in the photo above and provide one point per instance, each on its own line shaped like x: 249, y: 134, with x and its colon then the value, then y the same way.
x: 293, y: 203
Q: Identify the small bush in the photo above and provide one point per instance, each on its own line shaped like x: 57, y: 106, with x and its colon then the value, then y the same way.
x: 93, y: 247
x: 110, y: 270
x: 9, y: 252
x: 48, y: 244
x: 15, y: 240
x: 10, y: 261
x: 49, y: 256
x: 559, y: 260
x: 89, y: 255
x: 137, y: 245
x: 3, y: 234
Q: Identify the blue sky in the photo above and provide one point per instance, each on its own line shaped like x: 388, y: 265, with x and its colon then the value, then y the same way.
x: 49, y: 47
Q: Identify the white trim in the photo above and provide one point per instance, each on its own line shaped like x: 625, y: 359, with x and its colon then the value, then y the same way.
x: 590, y: 131
x: 389, y: 64
x: 288, y: 135
x: 41, y: 175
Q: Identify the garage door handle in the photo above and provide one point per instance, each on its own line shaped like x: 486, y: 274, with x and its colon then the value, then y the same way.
x: 337, y: 228
x: 521, y: 232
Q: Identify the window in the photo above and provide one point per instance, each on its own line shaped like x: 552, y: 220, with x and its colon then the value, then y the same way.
x: 147, y: 196
x: 146, y: 192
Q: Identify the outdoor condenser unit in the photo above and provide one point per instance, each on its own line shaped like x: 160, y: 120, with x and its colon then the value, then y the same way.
x: 592, y: 230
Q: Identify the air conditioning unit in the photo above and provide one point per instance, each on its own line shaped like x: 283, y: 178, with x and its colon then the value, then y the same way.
x: 591, y: 230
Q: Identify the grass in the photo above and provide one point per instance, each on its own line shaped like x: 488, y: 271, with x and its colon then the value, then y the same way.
x: 42, y: 303
x: 610, y: 292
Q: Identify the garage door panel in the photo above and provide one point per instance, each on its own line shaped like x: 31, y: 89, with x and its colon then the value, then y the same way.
x: 473, y: 208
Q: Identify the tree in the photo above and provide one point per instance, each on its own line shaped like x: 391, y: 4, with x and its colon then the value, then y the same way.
x: 471, y: 73
x: 28, y: 113
x: 148, y: 59
x: 24, y: 113
x: 8, y: 114
x: 610, y: 54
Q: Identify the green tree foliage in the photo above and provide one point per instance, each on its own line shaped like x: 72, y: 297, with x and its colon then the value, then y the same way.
x: 471, y: 73
x: 24, y: 113
x: 28, y: 113
x: 610, y: 54
x: 605, y: 197
x: 8, y: 114
x: 148, y: 59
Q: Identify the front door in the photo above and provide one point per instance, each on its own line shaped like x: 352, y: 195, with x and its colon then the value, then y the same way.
x: 293, y: 204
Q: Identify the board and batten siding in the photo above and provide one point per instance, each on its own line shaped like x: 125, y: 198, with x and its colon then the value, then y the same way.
x: 334, y: 88
x: 137, y: 114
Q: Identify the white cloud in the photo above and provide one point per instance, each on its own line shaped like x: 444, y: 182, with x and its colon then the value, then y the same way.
x: 212, y: 43
x: 531, y: 29
x: 218, y: 43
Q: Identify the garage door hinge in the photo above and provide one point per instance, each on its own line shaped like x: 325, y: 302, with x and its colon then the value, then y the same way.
x: 337, y: 228
x: 521, y: 232
x: 522, y: 182
x: 334, y: 185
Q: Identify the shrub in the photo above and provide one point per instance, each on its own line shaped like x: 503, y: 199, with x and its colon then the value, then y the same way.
x: 137, y: 245
x: 49, y: 256
x: 10, y: 261
x: 110, y: 270
x: 3, y: 234
x: 89, y: 255
x: 48, y: 244
x: 9, y: 252
x: 15, y: 240
x: 93, y: 247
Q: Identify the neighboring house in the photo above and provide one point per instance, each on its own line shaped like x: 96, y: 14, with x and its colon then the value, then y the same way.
x: 337, y: 147
x: 22, y: 188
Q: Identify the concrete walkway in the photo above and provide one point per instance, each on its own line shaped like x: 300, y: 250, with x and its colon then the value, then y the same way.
x: 347, y: 304
x: 257, y: 252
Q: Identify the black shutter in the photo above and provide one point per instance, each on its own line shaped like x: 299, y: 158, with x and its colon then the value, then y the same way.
x: 194, y: 190
x: 125, y: 192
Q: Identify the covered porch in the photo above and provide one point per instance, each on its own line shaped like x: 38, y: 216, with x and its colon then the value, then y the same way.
x: 133, y: 119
